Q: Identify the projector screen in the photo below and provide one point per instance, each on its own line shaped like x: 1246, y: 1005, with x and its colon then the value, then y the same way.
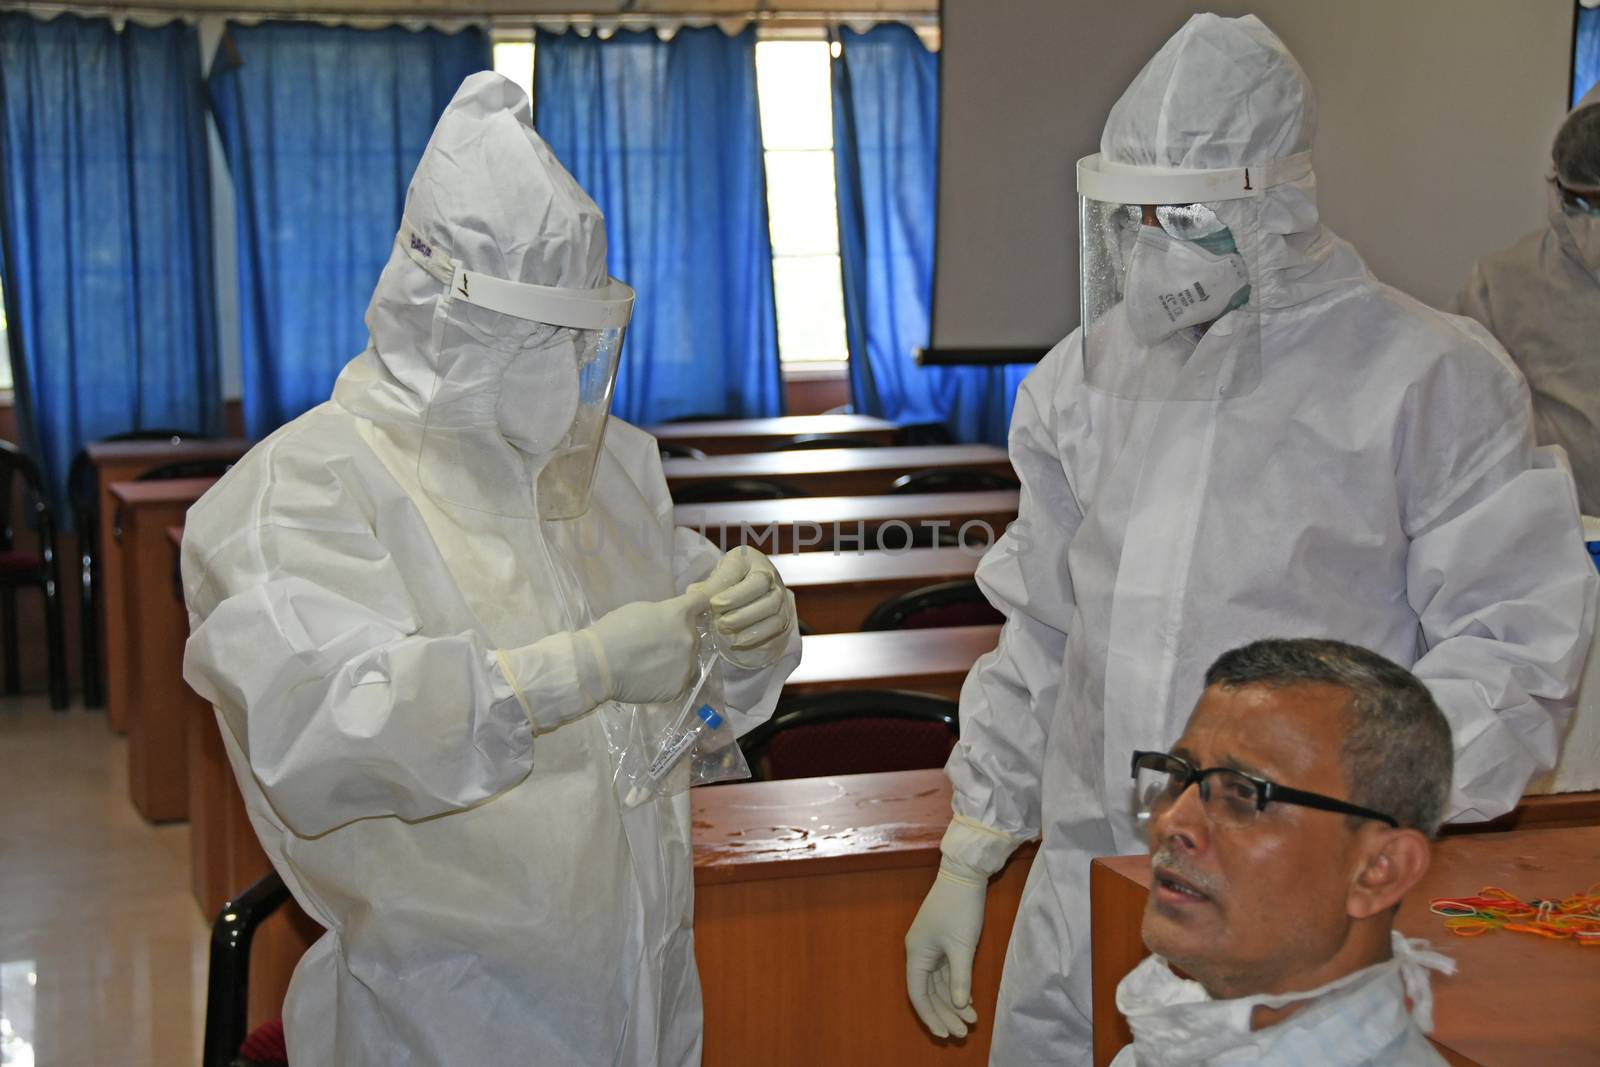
x: 1433, y: 140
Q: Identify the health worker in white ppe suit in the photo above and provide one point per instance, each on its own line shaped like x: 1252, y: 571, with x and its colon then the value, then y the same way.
x: 412, y: 607
x: 1541, y: 299
x: 1250, y: 436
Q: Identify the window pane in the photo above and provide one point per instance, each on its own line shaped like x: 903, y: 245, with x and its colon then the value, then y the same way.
x: 805, y: 219
x: 5, y: 347
x: 793, y: 86
x: 514, y: 59
x: 810, y: 298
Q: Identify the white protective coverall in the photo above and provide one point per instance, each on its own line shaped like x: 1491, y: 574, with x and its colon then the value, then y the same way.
x: 1541, y: 300
x: 486, y: 899
x: 1380, y: 485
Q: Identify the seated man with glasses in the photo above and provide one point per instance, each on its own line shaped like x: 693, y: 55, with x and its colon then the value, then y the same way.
x: 1285, y: 827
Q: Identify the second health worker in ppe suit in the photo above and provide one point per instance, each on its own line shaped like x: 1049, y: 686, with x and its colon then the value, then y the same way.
x: 412, y: 607
x: 1541, y: 299
x: 1250, y: 436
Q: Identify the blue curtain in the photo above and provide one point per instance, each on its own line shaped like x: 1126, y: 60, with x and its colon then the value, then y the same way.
x: 105, y: 219
x: 886, y: 153
x: 322, y: 127
x: 666, y: 136
x: 1586, y: 53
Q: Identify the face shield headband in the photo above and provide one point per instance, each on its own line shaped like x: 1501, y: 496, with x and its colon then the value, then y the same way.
x: 555, y: 401
x: 1164, y: 284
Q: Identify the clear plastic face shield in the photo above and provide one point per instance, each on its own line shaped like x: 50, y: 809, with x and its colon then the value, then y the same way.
x: 1168, y: 293
x: 525, y: 377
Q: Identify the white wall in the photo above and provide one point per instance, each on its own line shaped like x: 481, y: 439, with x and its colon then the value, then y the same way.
x: 1436, y: 120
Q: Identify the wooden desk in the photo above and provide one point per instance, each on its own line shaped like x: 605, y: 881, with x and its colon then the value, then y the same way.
x: 122, y: 461
x: 1516, y: 998
x: 851, y: 523
x: 719, y: 436
x: 836, y: 471
x: 804, y: 890
x: 1548, y: 811
x: 150, y: 632
x: 927, y: 661
x: 834, y: 593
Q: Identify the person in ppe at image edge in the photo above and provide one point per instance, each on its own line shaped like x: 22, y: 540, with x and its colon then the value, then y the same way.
x: 1541, y: 299
x: 412, y: 607
x: 1249, y: 436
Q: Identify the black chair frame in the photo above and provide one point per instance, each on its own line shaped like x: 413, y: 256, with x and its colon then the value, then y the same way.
x: 228, y: 984
x: 734, y: 489
x: 14, y: 463
x: 892, y: 613
x: 842, y: 704
x: 827, y: 440
x: 673, y: 450
x: 951, y: 480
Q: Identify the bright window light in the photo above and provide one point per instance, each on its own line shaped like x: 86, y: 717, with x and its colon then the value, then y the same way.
x: 514, y: 59
x: 5, y: 346
x: 793, y: 80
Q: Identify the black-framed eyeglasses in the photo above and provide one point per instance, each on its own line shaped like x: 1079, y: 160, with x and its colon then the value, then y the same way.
x: 1584, y: 203
x: 1231, y: 798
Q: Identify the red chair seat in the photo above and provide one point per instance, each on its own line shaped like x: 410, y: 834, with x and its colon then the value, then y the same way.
x: 17, y: 565
x: 265, y: 1046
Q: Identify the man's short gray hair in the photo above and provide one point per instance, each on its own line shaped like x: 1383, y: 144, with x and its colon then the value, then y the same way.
x: 1398, y: 756
x: 1577, y: 148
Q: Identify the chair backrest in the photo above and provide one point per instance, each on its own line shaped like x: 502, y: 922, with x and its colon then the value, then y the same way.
x: 703, y: 416
x: 852, y: 731
x: 83, y: 494
x: 14, y: 465
x: 673, y: 450
x: 925, y: 433
x: 187, y: 468
x: 957, y: 603
x: 734, y: 489
x: 828, y: 440
x: 951, y: 480
x: 183, y: 468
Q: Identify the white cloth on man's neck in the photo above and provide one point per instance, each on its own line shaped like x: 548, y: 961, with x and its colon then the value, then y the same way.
x: 1360, y: 1020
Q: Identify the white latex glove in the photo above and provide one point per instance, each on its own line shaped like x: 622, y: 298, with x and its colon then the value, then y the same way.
x: 940, y: 945
x: 645, y: 652
x: 750, y: 608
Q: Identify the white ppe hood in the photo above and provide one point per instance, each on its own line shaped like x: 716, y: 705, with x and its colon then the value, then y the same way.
x: 494, y: 321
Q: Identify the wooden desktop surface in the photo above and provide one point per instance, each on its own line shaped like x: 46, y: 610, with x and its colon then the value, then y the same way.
x: 834, y: 592
x: 850, y: 522
x: 934, y: 661
x: 763, y: 435
x: 122, y: 461
x: 836, y: 471
x: 804, y: 891
x: 1515, y: 999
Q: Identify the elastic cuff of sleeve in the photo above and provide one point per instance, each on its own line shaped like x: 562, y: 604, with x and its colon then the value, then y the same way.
x: 981, y: 848
x: 547, y: 677
x: 511, y: 680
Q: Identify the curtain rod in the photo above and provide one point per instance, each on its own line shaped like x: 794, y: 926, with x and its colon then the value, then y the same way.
x: 167, y: 11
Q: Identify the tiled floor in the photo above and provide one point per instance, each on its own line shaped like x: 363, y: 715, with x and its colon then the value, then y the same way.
x: 102, y: 947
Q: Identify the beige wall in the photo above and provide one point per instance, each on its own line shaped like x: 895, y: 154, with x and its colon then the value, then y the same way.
x: 1436, y: 119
